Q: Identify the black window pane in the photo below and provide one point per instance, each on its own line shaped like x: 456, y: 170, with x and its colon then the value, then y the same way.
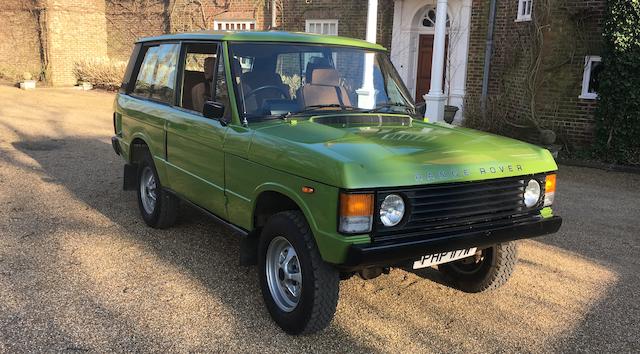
x: 594, y: 81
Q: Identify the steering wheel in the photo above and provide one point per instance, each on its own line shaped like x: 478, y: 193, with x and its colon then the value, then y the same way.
x: 280, y: 90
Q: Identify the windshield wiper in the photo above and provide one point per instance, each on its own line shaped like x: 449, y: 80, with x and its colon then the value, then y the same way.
x: 315, y: 107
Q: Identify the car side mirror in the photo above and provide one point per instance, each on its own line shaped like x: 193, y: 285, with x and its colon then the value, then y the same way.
x: 214, y: 110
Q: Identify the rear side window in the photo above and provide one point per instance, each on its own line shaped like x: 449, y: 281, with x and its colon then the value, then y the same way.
x: 157, y: 75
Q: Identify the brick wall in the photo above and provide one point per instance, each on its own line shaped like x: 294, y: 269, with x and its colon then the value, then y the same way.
x: 128, y: 20
x: 190, y: 16
x: 573, y: 32
x: 351, y: 16
x: 76, y: 30
x: 19, y: 47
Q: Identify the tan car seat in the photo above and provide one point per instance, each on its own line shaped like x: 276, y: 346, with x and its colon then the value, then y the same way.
x: 323, y: 89
x: 201, y: 92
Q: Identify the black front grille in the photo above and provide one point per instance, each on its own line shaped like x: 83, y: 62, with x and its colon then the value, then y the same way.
x: 441, y: 209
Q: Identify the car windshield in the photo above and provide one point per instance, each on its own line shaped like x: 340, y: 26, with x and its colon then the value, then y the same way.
x: 281, y: 79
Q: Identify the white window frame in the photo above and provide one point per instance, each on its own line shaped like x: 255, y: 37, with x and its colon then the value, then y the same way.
x: 586, y: 77
x: 236, y: 24
x: 311, y: 25
x: 525, y: 9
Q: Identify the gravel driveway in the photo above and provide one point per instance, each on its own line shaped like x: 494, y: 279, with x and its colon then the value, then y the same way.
x: 79, y: 270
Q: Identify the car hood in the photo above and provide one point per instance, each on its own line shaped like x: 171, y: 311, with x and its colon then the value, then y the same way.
x: 391, y: 153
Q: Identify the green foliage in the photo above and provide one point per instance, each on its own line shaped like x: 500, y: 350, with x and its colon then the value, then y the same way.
x: 618, y: 112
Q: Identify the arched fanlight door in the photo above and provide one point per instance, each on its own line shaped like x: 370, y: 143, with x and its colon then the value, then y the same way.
x: 429, y: 18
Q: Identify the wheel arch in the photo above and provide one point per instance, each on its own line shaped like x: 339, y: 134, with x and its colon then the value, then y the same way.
x: 268, y: 203
x: 272, y: 198
x: 137, y: 148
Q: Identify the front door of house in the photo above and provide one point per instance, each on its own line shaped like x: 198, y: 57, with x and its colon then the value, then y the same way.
x: 425, y: 57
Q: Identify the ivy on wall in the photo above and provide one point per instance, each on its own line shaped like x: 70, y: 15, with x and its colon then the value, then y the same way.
x: 618, y: 112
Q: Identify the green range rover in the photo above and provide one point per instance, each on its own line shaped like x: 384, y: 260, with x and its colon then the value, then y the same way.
x: 313, y: 150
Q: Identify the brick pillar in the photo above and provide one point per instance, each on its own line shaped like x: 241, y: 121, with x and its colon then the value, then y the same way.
x: 76, y: 30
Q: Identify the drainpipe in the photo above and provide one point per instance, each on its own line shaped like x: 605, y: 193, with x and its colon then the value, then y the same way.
x: 487, y: 57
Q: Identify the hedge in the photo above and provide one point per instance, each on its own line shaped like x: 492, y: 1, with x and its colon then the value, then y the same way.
x: 618, y: 111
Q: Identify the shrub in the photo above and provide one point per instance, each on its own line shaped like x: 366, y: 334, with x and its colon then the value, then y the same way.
x: 101, y: 73
x: 618, y: 111
x: 14, y: 75
x: 492, y: 121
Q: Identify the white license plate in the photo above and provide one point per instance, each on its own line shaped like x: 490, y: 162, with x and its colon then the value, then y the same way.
x: 444, y: 257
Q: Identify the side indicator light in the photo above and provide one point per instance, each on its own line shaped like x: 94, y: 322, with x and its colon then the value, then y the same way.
x: 308, y: 190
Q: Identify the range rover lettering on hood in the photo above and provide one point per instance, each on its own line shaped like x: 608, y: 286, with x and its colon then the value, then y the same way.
x: 449, y: 173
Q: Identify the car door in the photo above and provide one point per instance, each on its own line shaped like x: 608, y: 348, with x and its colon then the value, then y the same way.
x: 195, y: 159
x: 149, y: 99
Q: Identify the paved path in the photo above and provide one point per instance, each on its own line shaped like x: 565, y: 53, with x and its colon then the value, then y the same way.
x: 79, y: 271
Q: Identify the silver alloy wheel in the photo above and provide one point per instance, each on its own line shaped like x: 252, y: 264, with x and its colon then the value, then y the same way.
x: 284, y: 276
x: 148, y: 192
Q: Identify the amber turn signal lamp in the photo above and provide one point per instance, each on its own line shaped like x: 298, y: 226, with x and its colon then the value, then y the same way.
x: 308, y: 190
x: 550, y: 184
x: 356, y: 204
x: 356, y: 213
x: 549, y: 189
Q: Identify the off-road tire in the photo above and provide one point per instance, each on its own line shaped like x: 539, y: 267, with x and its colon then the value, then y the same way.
x: 320, y: 281
x: 166, y: 207
x: 494, y: 270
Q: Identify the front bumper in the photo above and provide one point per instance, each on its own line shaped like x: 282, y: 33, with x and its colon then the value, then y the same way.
x: 393, y: 253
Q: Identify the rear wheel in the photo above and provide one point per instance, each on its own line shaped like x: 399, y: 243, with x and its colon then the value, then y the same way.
x: 488, y: 269
x: 299, y: 289
x: 157, y: 207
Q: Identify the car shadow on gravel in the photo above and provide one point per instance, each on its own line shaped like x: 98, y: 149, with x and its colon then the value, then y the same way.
x: 196, y: 246
x: 203, y: 250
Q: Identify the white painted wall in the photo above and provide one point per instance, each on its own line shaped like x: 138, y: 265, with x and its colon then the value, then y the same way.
x: 404, y: 45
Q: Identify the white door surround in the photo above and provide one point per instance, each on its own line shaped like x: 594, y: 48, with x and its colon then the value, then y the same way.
x: 407, y: 28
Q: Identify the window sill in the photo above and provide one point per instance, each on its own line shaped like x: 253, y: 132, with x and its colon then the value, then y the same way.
x: 523, y: 19
x: 588, y: 96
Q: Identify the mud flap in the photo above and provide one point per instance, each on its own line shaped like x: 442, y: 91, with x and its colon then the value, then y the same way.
x: 249, y: 249
x: 130, y: 177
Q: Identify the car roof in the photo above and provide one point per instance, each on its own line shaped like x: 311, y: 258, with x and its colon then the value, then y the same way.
x: 265, y: 36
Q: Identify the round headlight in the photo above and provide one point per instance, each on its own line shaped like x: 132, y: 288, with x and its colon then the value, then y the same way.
x: 532, y: 193
x: 392, y: 210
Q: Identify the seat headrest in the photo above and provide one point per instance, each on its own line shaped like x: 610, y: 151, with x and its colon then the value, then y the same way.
x: 209, y: 66
x: 328, y: 77
x: 316, y: 63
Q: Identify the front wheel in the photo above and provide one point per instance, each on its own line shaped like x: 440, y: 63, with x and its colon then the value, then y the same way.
x: 299, y: 289
x: 158, y: 208
x: 488, y: 269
